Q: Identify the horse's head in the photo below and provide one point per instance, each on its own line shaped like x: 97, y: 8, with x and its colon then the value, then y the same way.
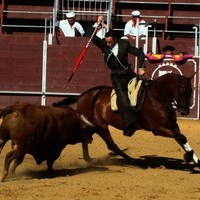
x: 183, y: 93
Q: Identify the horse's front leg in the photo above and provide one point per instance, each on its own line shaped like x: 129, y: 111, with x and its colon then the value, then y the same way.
x: 189, y: 156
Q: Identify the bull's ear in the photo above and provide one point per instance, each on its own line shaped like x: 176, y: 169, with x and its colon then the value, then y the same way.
x: 191, y: 77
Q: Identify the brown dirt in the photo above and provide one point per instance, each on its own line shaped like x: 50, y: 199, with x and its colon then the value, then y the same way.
x: 160, y: 172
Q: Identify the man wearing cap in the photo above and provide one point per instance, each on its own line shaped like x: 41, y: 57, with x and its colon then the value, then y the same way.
x: 135, y: 27
x: 69, y: 27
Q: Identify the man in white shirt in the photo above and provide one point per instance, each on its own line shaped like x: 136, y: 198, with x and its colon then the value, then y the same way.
x: 69, y: 27
x: 135, y: 26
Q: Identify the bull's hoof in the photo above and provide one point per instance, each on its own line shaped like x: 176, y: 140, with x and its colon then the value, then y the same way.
x: 3, y: 177
x: 188, y: 156
x: 87, y: 159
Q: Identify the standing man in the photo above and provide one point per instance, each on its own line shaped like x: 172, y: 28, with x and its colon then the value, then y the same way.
x: 132, y: 29
x: 115, y: 54
x: 69, y: 27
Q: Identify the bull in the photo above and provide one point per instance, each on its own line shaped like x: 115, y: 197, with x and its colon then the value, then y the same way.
x: 41, y: 131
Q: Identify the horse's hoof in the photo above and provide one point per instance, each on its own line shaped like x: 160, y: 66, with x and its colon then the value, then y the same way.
x: 188, y: 156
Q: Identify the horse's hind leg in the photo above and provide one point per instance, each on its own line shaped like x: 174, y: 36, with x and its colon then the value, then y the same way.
x: 106, y: 136
x: 189, y: 156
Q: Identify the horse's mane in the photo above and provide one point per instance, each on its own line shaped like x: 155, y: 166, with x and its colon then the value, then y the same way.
x: 73, y: 99
x: 165, y: 76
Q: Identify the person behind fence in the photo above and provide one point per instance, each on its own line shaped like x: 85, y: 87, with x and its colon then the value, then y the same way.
x: 115, y: 52
x: 69, y: 27
x: 132, y: 29
x: 168, y: 50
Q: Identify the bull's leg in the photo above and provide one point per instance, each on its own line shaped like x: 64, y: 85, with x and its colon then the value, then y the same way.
x: 2, y: 144
x: 189, y: 156
x: 51, y: 159
x: 15, y: 154
x: 8, y: 159
x: 86, y: 139
x: 86, y: 155
x: 16, y: 163
x: 106, y: 136
x: 50, y: 165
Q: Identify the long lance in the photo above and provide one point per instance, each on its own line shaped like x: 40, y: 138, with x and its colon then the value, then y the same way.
x: 79, y: 59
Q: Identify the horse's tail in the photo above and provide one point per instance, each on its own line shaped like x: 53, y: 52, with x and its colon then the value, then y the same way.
x: 67, y: 101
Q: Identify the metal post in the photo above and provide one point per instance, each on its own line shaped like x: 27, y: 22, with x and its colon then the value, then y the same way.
x: 146, y: 39
x: 50, y: 32
x: 154, y: 40
x: 44, y: 66
x: 137, y: 42
x: 195, y: 41
x: 199, y: 42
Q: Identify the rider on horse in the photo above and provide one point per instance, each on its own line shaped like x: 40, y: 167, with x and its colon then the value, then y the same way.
x: 115, y: 52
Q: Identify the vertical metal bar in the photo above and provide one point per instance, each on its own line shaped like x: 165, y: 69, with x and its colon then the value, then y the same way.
x: 146, y: 40
x: 63, y: 9
x: 55, y: 11
x: 44, y: 66
x: 154, y: 40
x: 137, y: 42
x: 137, y: 36
x: 195, y: 41
x: 50, y: 32
x: 199, y: 42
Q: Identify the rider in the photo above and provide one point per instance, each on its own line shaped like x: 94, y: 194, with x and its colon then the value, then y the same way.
x: 115, y: 52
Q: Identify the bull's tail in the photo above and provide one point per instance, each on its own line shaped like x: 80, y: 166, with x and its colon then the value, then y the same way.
x: 6, y: 111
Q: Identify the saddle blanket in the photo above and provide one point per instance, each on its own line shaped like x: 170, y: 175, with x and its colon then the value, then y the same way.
x: 133, y: 90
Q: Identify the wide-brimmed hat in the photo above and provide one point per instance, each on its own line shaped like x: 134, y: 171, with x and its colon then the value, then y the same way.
x: 70, y: 15
x: 135, y: 13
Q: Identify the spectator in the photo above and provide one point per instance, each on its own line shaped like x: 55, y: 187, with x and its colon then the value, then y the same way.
x: 69, y: 27
x: 132, y: 29
x: 168, y: 50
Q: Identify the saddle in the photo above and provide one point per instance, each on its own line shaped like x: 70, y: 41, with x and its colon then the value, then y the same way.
x: 133, y: 90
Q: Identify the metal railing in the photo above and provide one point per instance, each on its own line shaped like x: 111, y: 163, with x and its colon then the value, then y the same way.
x: 88, y: 8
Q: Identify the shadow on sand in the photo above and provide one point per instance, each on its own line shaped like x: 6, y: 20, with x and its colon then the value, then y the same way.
x: 103, y: 163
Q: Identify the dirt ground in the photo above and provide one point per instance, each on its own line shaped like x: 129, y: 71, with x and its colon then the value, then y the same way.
x: 160, y: 172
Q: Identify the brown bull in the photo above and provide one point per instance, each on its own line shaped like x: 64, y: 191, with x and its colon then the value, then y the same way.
x: 40, y: 131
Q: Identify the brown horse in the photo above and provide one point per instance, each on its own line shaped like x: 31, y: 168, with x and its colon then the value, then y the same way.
x: 157, y: 112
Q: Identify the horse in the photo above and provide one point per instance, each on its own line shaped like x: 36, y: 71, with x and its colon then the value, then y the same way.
x: 157, y: 111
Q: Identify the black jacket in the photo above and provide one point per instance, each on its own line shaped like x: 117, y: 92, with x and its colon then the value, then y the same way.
x: 119, y: 62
